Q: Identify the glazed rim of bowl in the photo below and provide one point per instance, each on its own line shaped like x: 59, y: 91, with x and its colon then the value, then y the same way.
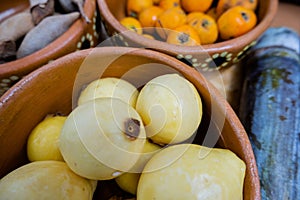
x: 56, y: 48
x: 70, y: 64
x: 265, y: 14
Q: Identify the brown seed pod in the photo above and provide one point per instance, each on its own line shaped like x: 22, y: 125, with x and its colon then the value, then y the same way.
x: 12, y: 29
x: 16, y: 26
x: 74, y: 5
x: 45, y: 32
x: 41, y: 9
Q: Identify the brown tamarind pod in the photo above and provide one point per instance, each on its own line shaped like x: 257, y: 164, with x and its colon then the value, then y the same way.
x: 74, y: 5
x: 45, y: 32
x: 40, y: 9
x: 16, y: 26
x: 12, y: 29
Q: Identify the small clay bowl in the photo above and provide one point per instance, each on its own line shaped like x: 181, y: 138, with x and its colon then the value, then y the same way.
x: 205, y: 57
x: 54, y: 89
x: 80, y: 35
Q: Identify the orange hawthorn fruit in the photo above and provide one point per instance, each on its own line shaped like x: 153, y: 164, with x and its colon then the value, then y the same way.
x: 132, y: 24
x: 196, y: 5
x: 205, y: 25
x: 169, y: 19
x: 148, y: 17
x: 236, y: 21
x: 184, y: 35
x: 134, y: 7
x: 166, y: 4
x: 224, y: 5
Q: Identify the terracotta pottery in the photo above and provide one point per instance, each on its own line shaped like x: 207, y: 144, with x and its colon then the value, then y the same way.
x: 80, y: 35
x: 205, y: 57
x: 54, y: 89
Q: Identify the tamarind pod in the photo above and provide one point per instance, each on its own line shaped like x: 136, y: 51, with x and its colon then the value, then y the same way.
x: 40, y: 9
x: 11, y: 30
x: 7, y: 50
x: 74, y: 5
x: 16, y: 26
x: 34, y: 3
x: 45, y: 32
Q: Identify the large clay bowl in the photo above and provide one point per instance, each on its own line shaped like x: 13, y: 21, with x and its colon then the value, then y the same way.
x: 54, y: 88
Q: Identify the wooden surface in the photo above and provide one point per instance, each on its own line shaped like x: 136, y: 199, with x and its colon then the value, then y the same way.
x: 287, y: 15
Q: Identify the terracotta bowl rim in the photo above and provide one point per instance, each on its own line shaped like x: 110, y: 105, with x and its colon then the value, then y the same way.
x: 238, y: 42
x: 38, y: 58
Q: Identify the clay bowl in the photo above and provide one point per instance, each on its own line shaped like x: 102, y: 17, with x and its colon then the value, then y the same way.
x: 54, y: 89
x: 205, y: 57
x: 80, y: 35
